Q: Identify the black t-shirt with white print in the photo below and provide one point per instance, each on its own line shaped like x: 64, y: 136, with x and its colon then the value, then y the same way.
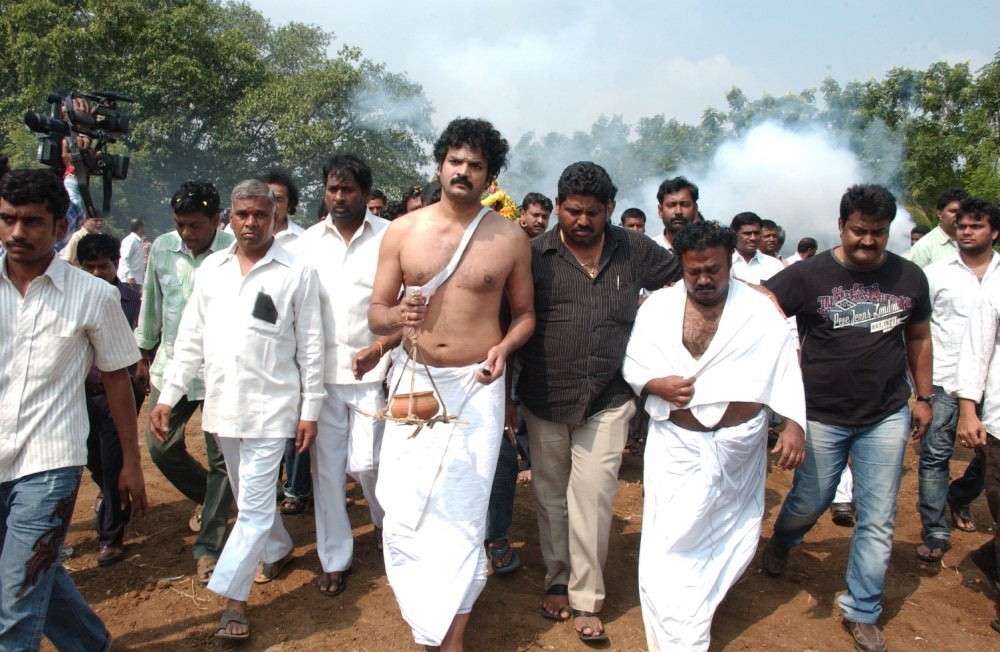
x: 851, y: 324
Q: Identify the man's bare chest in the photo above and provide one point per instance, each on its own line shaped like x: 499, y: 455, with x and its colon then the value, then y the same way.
x: 700, y: 326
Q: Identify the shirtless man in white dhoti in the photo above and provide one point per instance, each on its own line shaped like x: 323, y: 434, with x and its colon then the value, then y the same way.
x: 708, y: 355
x: 435, y: 486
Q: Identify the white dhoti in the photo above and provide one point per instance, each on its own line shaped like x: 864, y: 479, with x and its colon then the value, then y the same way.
x: 705, y: 490
x: 259, y: 533
x: 435, y: 489
x: 704, y: 500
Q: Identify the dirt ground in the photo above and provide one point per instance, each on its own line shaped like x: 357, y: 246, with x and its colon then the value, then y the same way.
x: 150, y: 600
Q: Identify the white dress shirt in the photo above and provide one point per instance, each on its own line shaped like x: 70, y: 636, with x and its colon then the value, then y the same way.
x: 289, y: 234
x: 66, y: 320
x: 759, y: 268
x: 979, y: 359
x: 132, y: 260
x: 955, y: 290
x: 662, y: 241
x: 260, y: 337
x: 346, y: 273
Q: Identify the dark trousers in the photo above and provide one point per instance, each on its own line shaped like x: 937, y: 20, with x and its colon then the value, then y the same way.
x: 104, y: 461
x: 992, y: 469
x: 298, y: 479
x: 207, y: 487
x: 964, y: 490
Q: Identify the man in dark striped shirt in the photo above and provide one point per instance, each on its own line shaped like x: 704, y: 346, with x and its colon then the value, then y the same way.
x: 577, y: 406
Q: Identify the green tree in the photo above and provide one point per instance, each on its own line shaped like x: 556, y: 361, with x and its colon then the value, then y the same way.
x: 220, y: 93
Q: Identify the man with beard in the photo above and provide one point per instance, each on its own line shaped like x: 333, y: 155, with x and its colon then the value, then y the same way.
x: 535, y: 211
x: 677, y: 205
x: 708, y: 355
x: 576, y: 404
x: 863, y: 313
x: 344, y: 250
x: 457, y: 260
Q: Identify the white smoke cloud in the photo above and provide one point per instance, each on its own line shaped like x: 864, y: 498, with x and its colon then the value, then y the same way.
x: 795, y: 178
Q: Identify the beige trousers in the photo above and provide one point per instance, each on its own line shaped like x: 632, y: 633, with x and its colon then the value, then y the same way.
x: 574, y: 471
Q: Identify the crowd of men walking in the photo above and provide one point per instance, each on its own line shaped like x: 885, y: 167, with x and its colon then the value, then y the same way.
x: 307, y: 349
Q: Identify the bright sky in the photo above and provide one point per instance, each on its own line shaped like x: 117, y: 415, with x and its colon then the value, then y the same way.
x: 532, y: 65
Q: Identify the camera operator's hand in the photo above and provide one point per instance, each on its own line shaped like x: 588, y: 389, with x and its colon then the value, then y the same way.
x: 82, y: 143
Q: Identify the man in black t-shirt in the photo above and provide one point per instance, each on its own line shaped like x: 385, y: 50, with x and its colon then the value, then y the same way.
x: 863, y: 317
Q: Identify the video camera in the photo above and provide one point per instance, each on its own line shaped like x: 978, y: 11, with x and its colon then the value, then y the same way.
x: 101, y: 123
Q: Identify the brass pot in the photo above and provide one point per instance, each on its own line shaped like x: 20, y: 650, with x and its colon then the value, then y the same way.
x: 420, y: 405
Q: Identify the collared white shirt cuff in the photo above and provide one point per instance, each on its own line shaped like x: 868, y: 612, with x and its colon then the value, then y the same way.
x: 311, y: 404
x: 171, y: 394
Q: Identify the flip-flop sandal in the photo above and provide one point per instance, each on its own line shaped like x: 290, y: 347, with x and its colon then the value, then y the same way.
x: 292, y: 506
x: 594, y: 636
x: 230, y: 616
x: 341, y: 585
x: 205, y: 566
x: 932, y: 550
x: 556, y: 589
x: 267, y: 572
x: 503, y: 559
x: 961, y: 513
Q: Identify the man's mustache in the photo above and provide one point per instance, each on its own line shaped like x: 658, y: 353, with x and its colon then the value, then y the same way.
x: 460, y: 179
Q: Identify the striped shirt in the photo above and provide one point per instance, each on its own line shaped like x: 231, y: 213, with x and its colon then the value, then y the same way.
x: 169, y: 283
x: 66, y: 320
x: 572, y: 363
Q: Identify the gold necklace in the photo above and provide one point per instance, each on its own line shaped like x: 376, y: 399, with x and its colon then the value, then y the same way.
x: 590, y: 268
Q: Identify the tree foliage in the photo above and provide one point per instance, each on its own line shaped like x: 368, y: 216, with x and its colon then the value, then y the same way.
x: 220, y: 93
x: 919, y: 132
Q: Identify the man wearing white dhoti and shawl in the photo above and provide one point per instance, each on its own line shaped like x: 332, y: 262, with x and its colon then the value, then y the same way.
x: 708, y: 355
x: 457, y: 261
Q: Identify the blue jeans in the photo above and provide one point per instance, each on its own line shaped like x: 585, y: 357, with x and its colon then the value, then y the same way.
x: 37, y: 595
x: 501, y: 509
x: 876, y: 453
x: 298, y: 479
x: 936, y: 448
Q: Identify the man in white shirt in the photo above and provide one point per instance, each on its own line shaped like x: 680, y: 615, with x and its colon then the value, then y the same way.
x: 677, y: 205
x: 286, y: 195
x: 955, y: 288
x: 132, y: 257
x: 55, y: 321
x: 254, y: 322
x: 297, y: 486
x: 344, y: 250
x: 805, y: 250
x: 749, y: 264
x: 978, y: 379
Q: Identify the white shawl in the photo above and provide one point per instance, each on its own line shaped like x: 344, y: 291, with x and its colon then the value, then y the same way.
x: 752, y: 357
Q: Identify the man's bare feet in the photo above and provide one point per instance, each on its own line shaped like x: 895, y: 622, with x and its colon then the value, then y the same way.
x: 555, y: 604
x: 333, y: 584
